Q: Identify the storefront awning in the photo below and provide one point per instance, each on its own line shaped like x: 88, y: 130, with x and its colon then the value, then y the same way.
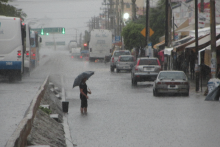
x: 182, y: 41
x: 202, y: 43
x: 207, y: 57
x: 156, y: 46
x: 186, y: 29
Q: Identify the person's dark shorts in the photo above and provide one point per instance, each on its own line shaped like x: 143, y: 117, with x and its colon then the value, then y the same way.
x: 84, y: 103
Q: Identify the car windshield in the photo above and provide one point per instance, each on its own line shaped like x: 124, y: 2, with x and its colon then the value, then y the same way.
x: 172, y: 75
x: 148, y: 62
x: 126, y: 59
x: 117, y: 54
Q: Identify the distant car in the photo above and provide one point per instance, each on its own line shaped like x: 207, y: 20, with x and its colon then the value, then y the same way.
x: 125, y: 62
x: 85, y: 53
x: 115, y: 56
x: 171, y: 82
x: 145, y: 69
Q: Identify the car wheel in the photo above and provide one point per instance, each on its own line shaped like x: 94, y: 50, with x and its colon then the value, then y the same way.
x: 117, y: 70
x: 112, y: 69
x: 19, y: 76
x: 134, y: 81
x: 155, y: 93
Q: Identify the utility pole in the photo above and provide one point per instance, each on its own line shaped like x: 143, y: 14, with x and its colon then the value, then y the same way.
x: 94, y: 22
x: 166, y: 23
x: 122, y: 13
x: 167, y: 32
x: 117, y: 18
x: 80, y: 39
x: 111, y: 14
x: 97, y: 22
x: 196, y: 43
x: 173, y: 29
x: 213, y: 38
x: 202, y: 6
x: 105, y: 13
x: 133, y: 10
x: 147, y: 23
x: 122, y: 21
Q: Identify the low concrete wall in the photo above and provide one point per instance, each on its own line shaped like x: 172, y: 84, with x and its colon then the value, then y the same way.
x: 19, y: 137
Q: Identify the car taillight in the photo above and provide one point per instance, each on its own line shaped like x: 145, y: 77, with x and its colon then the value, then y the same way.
x: 138, y: 62
x: 72, y: 57
x: 80, y: 56
x: 185, y: 83
x: 112, y: 59
x: 136, y: 68
x: 119, y: 58
x: 159, y: 83
x: 27, y: 53
x: 19, y: 53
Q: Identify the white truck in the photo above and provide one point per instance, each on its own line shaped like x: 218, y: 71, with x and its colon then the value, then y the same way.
x: 12, y: 46
x: 100, y: 44
x: 72, y: 44
x: 76, y: 52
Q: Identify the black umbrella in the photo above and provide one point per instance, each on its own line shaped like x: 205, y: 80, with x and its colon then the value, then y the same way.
x: 80, y: 77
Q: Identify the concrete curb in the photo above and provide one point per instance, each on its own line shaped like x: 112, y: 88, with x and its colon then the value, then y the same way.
x: 69, y: 142
x: 19, y: 137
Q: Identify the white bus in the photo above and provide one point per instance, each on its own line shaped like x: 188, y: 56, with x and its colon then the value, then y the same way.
x: 12, y: 34
x: 100, y: 44
x: 35, y: 48
x: 27, y: 57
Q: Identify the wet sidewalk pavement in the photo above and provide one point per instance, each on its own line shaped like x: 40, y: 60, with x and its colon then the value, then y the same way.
x: 202, y: 85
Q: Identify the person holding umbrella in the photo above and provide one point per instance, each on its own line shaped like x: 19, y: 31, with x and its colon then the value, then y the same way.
x: 84, y: 96
x: 80, y: 81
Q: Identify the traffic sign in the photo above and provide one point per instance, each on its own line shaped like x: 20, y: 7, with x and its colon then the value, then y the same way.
x: 117, y: 38
x: 143, y: 32
x: 53, y: 30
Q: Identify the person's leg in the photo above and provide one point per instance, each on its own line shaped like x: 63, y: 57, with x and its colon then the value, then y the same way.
x: 85, y: 110
x: 86, y: 105
x: 81, y: 109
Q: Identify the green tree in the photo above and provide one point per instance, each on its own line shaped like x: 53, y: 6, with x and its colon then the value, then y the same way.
x: 156, y: 21
x: 132, y: 36
x: 8, y: 10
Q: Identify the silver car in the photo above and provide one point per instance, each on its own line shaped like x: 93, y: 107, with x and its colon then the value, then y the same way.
x: 145, y: 69
x: 115, y: 56
x: 171, y: 82
x: 125, y: 62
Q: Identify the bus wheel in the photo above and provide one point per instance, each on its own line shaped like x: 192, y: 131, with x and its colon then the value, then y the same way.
x: 19, y: 76
x: 11, y: 78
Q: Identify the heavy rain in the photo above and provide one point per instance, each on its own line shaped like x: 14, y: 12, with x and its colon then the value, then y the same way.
x: 138, y: 88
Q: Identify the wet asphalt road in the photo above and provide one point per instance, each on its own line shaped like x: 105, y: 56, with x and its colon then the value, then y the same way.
x: 122, y: 115
x: 118, y: 114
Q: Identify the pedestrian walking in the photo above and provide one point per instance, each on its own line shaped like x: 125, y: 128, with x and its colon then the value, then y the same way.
x: 83, y: 96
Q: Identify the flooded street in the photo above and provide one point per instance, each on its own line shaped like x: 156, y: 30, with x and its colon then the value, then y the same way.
x: 119, y: 114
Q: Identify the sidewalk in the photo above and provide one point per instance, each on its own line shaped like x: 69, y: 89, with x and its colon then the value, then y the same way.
x: 202, y: 86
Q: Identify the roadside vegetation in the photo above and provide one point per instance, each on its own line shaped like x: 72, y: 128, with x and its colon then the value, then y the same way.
x: 131, y: 32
